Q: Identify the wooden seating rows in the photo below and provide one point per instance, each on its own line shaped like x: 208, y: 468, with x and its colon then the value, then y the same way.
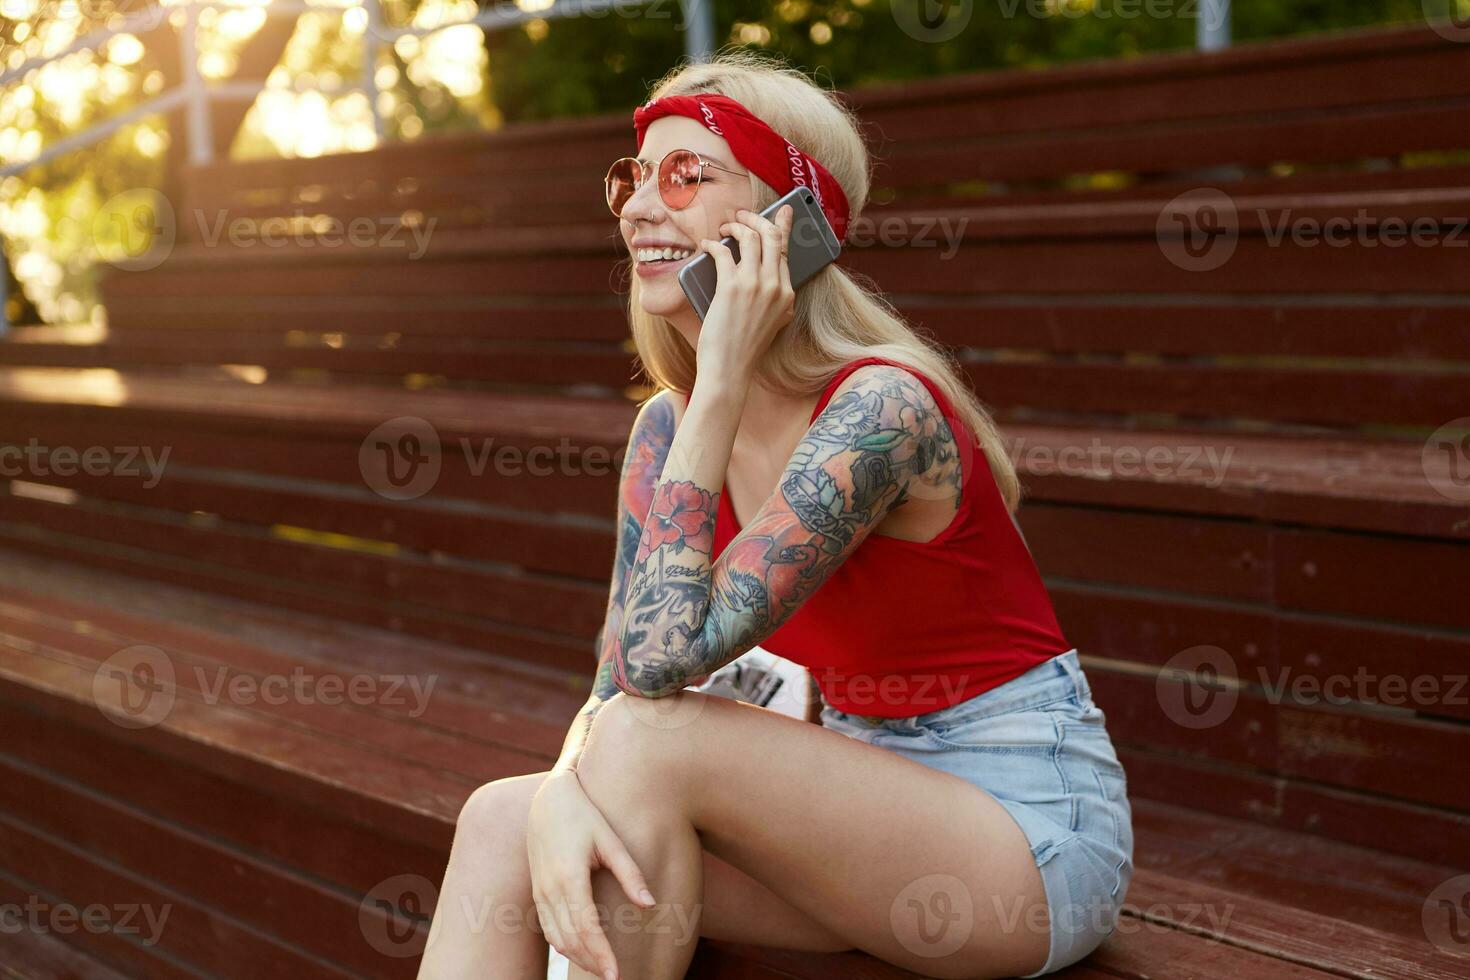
x: 272, y: 863
x: 413, y: 461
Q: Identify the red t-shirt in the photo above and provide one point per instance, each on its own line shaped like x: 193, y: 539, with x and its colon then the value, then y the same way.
x: 904, y: 628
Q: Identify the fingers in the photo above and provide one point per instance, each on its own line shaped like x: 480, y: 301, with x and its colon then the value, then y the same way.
x: 615, y: 857
x: 568, y: 920
x: 724, y: 261
x: 774, y: 237
x: 597, y: 955
x: 749, y: 267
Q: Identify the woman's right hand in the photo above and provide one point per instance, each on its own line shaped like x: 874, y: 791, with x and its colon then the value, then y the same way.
x: 567, y: 839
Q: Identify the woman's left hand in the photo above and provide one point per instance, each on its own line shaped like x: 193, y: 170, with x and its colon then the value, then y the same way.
x: 753, y: 297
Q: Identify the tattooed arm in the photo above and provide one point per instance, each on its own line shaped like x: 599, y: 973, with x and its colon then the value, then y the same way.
x: 648, y: 448
x: 685, y: 615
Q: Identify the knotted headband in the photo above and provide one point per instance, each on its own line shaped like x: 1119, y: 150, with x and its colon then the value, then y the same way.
x: 767, y: 154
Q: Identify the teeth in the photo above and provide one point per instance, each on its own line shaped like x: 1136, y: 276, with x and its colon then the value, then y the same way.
x: 657, y: 254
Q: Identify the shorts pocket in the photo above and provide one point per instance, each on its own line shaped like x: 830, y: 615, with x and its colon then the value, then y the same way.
x: 1032, y: 731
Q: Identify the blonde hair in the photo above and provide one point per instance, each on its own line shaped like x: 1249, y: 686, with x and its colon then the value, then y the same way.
x: 840, y: 315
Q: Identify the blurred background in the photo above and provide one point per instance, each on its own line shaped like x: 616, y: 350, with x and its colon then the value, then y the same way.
x: 296, y: 71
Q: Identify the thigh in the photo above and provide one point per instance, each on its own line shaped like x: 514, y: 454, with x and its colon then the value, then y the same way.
x: 913, y: 865
x: 737, y: 908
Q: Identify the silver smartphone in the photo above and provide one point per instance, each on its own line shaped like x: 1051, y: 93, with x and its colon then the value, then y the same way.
x: 813, y: 246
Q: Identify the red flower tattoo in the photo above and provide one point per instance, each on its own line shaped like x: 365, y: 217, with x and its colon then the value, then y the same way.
x: 682, y: 515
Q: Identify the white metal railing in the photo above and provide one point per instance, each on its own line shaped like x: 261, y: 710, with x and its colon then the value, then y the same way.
x: 196, y: 94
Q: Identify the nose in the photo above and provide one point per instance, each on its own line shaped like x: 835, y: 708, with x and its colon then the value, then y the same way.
x: 645, y: 202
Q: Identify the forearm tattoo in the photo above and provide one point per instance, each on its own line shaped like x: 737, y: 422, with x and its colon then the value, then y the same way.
x: 686, y: 615
x: 648, y: 449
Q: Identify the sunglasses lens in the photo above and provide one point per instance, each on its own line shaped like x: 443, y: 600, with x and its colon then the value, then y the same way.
x: 678, y: 178
x: 622, y: 181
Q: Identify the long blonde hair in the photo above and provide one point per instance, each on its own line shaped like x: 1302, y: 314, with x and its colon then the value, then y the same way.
x: 840, y: 315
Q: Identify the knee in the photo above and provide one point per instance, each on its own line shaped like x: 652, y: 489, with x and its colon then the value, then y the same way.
x: 641, y: 744
x: 492, y: 819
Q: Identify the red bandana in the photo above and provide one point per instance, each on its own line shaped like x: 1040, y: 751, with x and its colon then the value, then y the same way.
x: 766, y: 153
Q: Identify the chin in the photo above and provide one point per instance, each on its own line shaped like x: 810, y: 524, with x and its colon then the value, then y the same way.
x: 658, y: 301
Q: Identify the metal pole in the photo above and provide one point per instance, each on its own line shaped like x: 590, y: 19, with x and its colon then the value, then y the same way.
x: 1212, y: 28
x: 201, y: 140
x: 699, y: 29
x: 370, y: 40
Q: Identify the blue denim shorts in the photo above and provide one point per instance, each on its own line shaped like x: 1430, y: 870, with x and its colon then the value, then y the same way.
x: 1038, y: 745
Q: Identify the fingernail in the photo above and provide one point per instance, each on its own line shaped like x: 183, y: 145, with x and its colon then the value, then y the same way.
x: 610, y: 975
x: 646, y: 896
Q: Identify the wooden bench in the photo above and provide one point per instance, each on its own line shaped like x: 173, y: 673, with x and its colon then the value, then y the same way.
x: 273, y: 539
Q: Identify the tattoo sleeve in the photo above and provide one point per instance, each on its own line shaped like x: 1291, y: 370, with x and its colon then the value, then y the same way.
x: 686, y: 615
x: 648, y: 447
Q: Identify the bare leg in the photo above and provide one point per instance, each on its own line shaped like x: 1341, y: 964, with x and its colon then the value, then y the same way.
x: 913, y: 865
x: 488, y: 871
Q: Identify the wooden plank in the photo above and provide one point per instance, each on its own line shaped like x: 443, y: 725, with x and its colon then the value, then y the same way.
x: 494, y: 640
x: 1283, y: 932
x: 36, y: 954
x: 271, y: 901
x: 552, y: 607
x: 1392, y: 755
x: 200, y: 938
x: 1337, y: 397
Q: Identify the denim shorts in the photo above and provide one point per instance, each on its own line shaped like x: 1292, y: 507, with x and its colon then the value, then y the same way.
x: 1038, y: 745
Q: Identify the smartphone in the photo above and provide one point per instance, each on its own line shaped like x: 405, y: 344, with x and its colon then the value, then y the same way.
x: 812, y: 246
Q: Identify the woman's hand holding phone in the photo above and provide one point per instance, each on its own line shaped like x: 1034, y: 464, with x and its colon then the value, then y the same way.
x: 754, y: 299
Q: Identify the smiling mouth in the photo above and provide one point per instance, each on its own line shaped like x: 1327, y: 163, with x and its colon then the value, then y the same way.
x: 659, y: 256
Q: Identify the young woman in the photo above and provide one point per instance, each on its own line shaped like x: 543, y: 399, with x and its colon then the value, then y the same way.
x: 812, y: 477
